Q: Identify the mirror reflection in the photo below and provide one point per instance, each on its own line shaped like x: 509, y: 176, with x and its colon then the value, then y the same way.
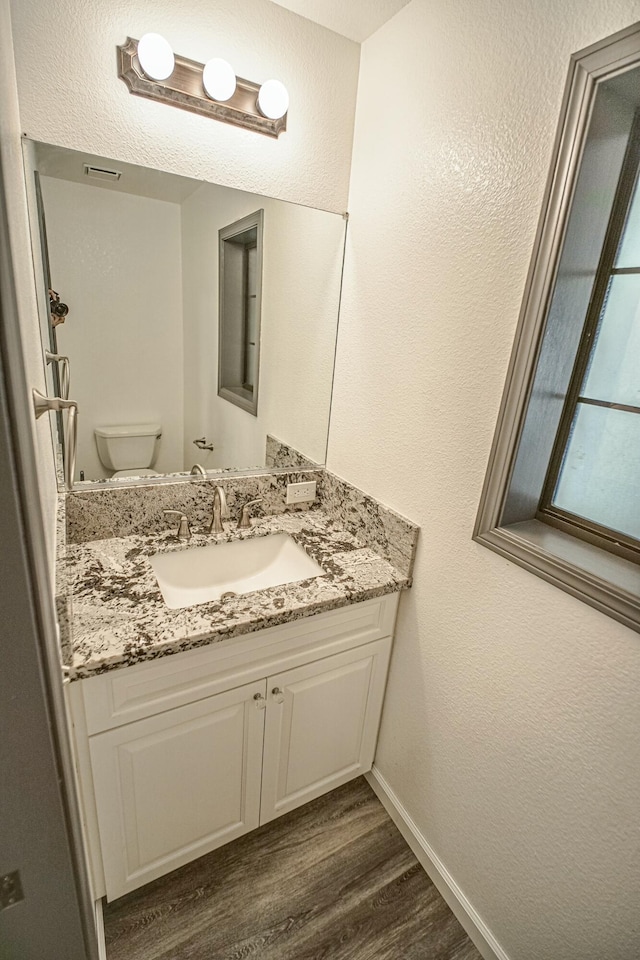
x: 135, y: 255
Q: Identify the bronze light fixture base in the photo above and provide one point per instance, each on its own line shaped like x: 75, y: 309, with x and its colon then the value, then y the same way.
x: 184, y: 89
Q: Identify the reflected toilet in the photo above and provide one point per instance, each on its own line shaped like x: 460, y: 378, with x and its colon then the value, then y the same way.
x: 129, y: 450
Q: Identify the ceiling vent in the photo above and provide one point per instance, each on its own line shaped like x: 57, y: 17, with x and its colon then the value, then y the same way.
x: 101, y: 173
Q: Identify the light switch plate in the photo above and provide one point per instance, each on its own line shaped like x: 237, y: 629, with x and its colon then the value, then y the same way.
x: 301, y: 492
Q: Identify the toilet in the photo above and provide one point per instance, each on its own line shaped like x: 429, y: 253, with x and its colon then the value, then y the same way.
x: 130, y: 450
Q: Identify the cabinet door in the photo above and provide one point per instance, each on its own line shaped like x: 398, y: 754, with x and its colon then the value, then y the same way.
x: 322, y: 725
x: 177, y: 785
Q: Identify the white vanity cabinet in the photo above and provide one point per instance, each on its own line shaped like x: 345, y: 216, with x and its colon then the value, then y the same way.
x: 177, y: 785
x: 179, y: 755
x: 321, y: 726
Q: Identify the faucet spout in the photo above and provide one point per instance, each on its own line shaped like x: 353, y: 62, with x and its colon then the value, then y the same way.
x: 219, y: 511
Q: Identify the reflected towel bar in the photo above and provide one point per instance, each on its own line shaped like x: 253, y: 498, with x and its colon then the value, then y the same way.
x: 44, y: 404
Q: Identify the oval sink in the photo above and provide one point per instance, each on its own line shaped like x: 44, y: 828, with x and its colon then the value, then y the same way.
x: 202, y: 574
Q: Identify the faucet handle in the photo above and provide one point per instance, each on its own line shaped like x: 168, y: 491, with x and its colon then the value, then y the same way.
x: 183, y: 531
x: 244, y: 520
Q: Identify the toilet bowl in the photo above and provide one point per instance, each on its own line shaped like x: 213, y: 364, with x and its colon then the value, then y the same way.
x: 129, y: 450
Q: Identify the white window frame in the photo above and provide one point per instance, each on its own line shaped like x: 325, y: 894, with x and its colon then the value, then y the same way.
x: 608, y: 582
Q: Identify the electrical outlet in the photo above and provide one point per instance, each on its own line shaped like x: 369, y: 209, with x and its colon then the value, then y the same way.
x: 301, y: 492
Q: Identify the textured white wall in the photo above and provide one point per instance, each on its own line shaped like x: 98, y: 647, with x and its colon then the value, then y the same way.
x: 116, y: 261
x: 18, y: 217
x: 302, y: 263
x: 511, y: 729
x: 70, y: 93
x: 357, y: 19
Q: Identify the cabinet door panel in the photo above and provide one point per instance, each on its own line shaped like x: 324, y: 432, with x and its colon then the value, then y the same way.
x: 321, y: 730
x: 177, y: 785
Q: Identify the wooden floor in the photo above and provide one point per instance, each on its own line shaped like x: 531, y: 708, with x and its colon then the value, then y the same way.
x: 333, y: 880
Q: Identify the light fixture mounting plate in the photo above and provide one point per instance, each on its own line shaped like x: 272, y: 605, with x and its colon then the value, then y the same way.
x: 184, y: 89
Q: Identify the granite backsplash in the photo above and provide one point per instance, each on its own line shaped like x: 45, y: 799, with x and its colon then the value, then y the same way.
x: 123, y: 511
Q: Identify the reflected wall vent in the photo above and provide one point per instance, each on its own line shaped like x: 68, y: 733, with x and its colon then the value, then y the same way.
x: 101, y: 173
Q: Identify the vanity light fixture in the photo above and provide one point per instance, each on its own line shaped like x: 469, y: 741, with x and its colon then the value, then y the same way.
x: 219, y: 80
x: 210, y: 89
x: 155, y: 56
x: 273, y: 99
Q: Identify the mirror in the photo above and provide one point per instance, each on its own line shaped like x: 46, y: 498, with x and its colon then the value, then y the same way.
x: 135, y: 256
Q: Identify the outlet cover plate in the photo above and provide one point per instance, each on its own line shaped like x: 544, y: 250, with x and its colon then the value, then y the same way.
x: 301, y: 492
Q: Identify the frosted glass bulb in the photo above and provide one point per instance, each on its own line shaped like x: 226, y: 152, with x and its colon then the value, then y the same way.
x: 273, y: 99
x: 155, y: 56
x: 218, y: 79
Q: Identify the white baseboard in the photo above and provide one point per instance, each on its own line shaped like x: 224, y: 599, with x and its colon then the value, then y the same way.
x: 463, y: 910
x: 102, y: 947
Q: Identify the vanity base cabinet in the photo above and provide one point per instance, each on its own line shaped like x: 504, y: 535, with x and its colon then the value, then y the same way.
x: 177, y: 785
x: 180, y: 755
x: 321, y: 726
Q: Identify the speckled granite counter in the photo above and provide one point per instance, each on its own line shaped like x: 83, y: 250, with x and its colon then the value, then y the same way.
x: 116, y: 617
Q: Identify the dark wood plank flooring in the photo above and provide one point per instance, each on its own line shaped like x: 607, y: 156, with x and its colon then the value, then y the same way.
x: 333, y: 880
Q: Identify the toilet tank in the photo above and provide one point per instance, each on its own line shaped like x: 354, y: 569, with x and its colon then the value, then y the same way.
x: 126, y: 446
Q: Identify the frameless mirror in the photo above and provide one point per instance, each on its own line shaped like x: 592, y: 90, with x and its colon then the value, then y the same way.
x: 127, y: 263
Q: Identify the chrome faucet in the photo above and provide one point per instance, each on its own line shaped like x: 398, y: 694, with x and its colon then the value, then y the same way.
x: 197, y: 468
x: 244, y: 519
x: 219, y: 511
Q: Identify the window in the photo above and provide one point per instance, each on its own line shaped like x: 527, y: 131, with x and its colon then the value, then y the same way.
x: 250, y: 328
x: 240, y: 282
x: 562, y: 493
x: 593, y: 482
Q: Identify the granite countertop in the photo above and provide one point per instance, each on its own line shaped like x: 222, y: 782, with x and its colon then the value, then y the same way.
x: 113, y: 614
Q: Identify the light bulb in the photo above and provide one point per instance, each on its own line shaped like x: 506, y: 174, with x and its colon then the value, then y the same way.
x: 273, y: 99
x: 155, y: 56
x: 218, y: 79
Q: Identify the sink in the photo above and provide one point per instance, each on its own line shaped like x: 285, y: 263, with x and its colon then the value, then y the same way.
x: 201, y: 574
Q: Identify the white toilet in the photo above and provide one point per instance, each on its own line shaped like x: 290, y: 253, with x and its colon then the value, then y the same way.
x: 130, y: 450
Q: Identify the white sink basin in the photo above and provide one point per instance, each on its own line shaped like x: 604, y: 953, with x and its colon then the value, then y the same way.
x: 201, y: 574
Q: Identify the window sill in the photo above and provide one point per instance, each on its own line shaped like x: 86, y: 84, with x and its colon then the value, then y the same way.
x: 241, y: 397
x: 608, y: 583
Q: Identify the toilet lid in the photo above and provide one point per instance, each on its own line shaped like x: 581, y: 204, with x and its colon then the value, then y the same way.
x: 135, y: 473
x: 129, y: 430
